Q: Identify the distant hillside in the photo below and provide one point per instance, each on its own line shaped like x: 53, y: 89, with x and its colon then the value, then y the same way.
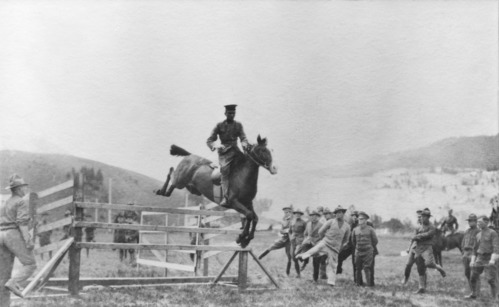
x: 42, y: 171
x: 479, y: 152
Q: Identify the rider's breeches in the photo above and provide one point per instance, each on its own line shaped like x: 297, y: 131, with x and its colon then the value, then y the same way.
x: 12, y: 245
x: 225, y: 161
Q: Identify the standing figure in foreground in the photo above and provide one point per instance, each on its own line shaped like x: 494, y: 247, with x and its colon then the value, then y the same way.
x: 424, y: 251
x: 311, y: 236
x: 336, y: 233
x: 484, y: 258
x: 15, y: 241
x: 296, y: 236
x: 283, y: 241
x: 364, y: 242
x: 412, y: 255
x: 229, y: 131
x: 467, y: 245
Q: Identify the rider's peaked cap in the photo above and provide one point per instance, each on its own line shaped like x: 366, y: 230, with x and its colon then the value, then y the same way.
x: 230, y: 107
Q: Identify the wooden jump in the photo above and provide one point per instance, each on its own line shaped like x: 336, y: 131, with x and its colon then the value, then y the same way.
x: 224, y: 248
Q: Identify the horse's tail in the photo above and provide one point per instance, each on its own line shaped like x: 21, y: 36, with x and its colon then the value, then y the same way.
x: 177, y: 151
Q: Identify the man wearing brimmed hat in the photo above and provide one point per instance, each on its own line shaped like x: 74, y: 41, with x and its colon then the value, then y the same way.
x: 15, y: 241
x: 484, y: 258
x: 229, y: 131
x: 364, y: 241
x: 412, y: 256
x: 283, y: 241
x: 467, y: 244
x: 336, y: 233
x: 296, y: 236
x: 424, y: 250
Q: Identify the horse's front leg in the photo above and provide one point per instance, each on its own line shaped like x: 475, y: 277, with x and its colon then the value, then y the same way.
x: 239, y: 207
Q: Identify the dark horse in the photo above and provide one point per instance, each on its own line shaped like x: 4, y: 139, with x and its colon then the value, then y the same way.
x: 195, y: 174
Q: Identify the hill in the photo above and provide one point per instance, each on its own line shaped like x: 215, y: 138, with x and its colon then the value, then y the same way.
x: 478, y: 152
x: 42, y: 171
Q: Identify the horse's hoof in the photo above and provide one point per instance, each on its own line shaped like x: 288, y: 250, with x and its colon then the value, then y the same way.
x: 238, y: 240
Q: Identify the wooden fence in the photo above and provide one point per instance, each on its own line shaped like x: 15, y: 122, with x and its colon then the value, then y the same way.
x: 75, y: 244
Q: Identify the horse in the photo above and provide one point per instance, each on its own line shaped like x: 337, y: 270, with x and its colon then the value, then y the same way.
x: 195, y: 174
x: 438, y: 246
x: 454, y: 241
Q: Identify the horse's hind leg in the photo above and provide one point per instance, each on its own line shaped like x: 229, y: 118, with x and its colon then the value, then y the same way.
x: 163, y: 191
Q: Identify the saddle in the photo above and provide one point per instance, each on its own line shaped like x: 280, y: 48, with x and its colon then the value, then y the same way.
x: 216, y: 176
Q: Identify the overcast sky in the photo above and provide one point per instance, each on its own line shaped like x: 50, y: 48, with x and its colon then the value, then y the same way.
x: 327, y: 82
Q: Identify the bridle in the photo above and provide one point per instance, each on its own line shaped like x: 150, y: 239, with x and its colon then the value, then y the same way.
x: 256, y: 159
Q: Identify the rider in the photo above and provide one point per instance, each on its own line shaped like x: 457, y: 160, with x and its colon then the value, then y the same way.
x: 448, y: 224
x: 228, y: 131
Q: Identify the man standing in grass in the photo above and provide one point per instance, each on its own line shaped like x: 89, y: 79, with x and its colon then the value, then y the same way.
x: 311, y: 235
x: 364, y: 242
x: 484, y: 258
x: 15, y: 241
x: 283, y: 241
x: 336, y: 233
x: 296, y: 235
x: 469, y: 241
x: 424, y: 250
x: 412, y: 255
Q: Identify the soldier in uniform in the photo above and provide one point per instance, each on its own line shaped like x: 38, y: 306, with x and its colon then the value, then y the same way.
x: 296, y: 236
x: 283, y: 241
x: 424, y: 251
x: 364, y: 241
x: 467, y: 244
x: 15, y: 241
x: 485, y: 256
x: 448, y: 224
x: 311, y: 235
x: 335, y: 233
x: 412, y: 256
x: 119, y: 234
x: 229, y: 131
x: 349, y: 250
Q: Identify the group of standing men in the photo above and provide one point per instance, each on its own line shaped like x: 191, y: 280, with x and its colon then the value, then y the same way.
x: 323, y: 237
x: 127, y: 235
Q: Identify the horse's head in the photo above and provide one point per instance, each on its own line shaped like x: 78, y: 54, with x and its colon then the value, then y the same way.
x: 262, y: 155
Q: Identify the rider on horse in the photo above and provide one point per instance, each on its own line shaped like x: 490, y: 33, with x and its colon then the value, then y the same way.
x: 228, y: 131
x: 448, y: 224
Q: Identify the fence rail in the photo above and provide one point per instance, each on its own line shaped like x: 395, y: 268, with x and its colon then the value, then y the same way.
x: 161, y: 247
x: 155, y: 209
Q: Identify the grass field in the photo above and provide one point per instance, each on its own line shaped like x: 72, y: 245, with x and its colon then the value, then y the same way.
x: 446, y: 292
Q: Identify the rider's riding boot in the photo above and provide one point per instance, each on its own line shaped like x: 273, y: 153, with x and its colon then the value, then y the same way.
x: 422, y: 284
x: 265, y: 252
x: 288, y: 268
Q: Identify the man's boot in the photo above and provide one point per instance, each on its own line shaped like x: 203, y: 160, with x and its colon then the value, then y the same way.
x: 369, y: 279
x: 407, y: 274
x: 473, y: 286
x: 13, y: 287
x: 265, y: 252
x: 297, y: 269
x: 422, y: 284
x: 288, y: 268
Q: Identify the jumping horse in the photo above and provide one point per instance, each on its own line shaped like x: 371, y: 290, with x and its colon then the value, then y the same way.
x: 195, y: 174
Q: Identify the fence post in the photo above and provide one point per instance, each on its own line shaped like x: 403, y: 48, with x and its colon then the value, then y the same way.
x: 76, y: 233
x: 205, y: 261
x: 243, y: 270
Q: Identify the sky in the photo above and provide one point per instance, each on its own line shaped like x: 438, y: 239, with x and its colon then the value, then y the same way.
x: 327, y: 82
